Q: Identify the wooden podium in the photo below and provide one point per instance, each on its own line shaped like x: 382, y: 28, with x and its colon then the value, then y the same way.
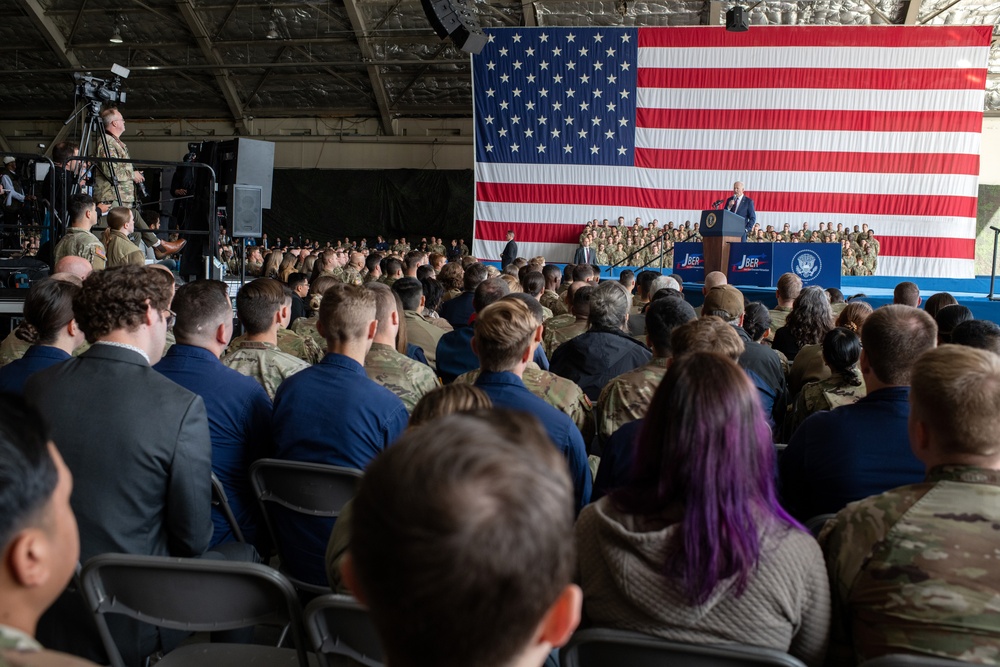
x: 719, y: 228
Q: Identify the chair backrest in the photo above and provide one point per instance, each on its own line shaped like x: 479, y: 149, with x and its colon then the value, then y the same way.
x: 600, y: 647
x: 339, y: 625
x: 189, y: 594
x: 312, y: 489
x: 816, y: 523
x: 905, y: 660
x: 220, y: 501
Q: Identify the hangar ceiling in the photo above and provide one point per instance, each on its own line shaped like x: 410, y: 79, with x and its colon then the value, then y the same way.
x: 239, y: 59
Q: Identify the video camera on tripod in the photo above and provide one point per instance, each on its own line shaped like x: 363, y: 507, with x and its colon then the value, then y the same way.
x: 102, y: 90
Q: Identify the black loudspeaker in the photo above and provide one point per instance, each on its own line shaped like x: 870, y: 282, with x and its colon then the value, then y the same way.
x: 247, y: 162
x: 458, y: 20
x: 245, y: 211
x: 737, y: 20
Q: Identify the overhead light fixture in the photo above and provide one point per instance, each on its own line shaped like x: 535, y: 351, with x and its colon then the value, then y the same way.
x: 272, y: 31
x: 116, y: 36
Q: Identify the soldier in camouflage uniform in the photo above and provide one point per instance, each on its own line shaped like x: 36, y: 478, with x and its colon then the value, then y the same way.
x: 299, y: 341
x: 352, y: 274
x: 917, y: 569
x: 106, y: 174
x: 627, y: 397
x: 838, y: 389
x: 560, y: 329
x: 406, y: 378
x: 79, y: 240
x: 263, y: 310
x: 263, y: 362
x: 121, y: 250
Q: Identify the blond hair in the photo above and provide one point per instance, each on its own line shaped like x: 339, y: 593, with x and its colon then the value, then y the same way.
x: 346, y: 312
x: 503, y: 332
x: 706, y: 334
x: 955, y: 391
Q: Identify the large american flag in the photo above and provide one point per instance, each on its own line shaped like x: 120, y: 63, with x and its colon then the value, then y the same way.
x: 852, y: 125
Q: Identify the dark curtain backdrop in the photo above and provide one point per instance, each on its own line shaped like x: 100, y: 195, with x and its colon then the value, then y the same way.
x: 327, y: 204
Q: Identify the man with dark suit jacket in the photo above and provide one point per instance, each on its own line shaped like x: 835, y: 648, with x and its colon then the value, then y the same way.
x: 742, y: 206
x: 140, y: 487
x: 584, y: 254
x: 509, y: 251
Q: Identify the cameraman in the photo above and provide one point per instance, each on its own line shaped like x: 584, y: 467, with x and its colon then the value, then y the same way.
x: 106, y: 173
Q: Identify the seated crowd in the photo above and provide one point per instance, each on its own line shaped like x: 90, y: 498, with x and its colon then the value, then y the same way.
x: 652, y: 246
x: 541, y: 449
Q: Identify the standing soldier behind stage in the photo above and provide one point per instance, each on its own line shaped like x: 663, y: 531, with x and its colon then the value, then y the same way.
x: 107, y: 173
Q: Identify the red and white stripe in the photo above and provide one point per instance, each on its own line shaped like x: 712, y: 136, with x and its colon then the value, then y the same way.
x: 851, y: 125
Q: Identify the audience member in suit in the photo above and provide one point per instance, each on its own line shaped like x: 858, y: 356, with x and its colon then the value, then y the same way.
x: 606, y: 351
x: 140, y: 487
x: 584, y: 254
x: 48, y: 326
x: 38, y: 533
x: 859, y: 450
x: 239, y: 410
x: 696, y: 547
x: 488, y: 517
x: 458, y: 309
x: 332, y: 413
x: 914, y: 570
x: 509, y: 253
x: 505, y: 340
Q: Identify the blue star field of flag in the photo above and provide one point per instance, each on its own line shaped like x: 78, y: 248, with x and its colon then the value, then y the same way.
x: 556, y: 96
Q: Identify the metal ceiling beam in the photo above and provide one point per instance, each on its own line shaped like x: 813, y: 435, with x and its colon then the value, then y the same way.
x: 17, y: 74
x: 942, y: 10
x: 912, y: 12
x: 76, y: 22
x: 528, y: 13
x: 340, y: 77
x: 51, y: 32
x: 263, y: 77
x: 200, y: 33
x: 374, y: 73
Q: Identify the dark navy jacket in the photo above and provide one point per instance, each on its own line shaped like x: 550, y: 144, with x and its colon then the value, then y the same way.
x: 38, y: 357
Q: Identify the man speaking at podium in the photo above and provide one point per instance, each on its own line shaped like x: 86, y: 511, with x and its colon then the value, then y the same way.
x: 742, y: 206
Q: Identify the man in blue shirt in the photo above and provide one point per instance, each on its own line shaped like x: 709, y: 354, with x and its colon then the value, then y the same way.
x: 505, y: 340
x: 861, y: 450
x: 459, y: 309
x: 239, y: 410
x: 332, y: 413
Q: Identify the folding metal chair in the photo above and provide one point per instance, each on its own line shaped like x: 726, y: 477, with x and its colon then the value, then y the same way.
x: 310, y: 489
x: 221, y: 502
x: 195, y: 595
x: 601, y: 647
x: 339, y: 625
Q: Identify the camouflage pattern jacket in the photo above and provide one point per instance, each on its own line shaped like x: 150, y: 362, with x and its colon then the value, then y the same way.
x: 299, y: 345
x: 12, y: 348
x: 264, y: 362
x: 104, y: 189
x: 917, y: 570
x: 82, y: 243
x: 627, y: 397
x: 403, y: 376
x: 826, y: 394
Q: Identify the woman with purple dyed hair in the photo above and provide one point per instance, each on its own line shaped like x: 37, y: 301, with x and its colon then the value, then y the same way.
x: 697, y: 549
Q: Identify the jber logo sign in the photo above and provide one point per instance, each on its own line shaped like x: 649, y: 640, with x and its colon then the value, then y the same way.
x: 749, y: 263
x: 691, y: 261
